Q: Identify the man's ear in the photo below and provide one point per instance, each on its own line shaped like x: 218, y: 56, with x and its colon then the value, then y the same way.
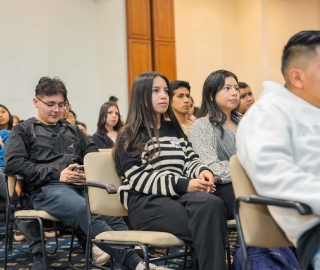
x: 296, y: 78
x: 35, y: 102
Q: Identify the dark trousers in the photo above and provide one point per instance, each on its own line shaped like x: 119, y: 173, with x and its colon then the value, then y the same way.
x: 198, y: 218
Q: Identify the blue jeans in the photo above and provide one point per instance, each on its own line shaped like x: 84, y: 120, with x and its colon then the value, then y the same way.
x: 67, y: 203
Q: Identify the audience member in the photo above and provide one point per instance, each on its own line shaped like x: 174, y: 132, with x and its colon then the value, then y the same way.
x: 213, y: 135
x: 47, y: 162
x: 113, y: 99
x: 72, y: 119
x: 6, y: 119
x: 191, y: 113
x: 6, y: 124
x: 16, y: 120
x: 108, y: 125
x: 246, y: 98
x: 64, y: 114
x: 278, y: 143
x: 179, y: 94
x: 166, y: 187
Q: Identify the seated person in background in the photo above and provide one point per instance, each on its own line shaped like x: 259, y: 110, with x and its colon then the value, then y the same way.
x: 278, y: 144
x: 16, y: 120
x: 71, y: 117
x: 246, y: 98
x: 65, y: 113
x: 114, y: 100
x: 213, y: 134
x: 45, y: 151
x: 6, y: 123
x: 108, y: 125
x: 191, y: 113
x: 165, y: 186
x: 179, y: 93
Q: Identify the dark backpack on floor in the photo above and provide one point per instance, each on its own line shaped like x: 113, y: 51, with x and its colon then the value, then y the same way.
x: 267, y: 259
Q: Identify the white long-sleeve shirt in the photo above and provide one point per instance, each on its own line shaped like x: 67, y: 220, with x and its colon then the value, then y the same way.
x: 278, y: 144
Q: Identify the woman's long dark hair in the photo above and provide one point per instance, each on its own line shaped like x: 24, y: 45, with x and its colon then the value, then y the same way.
x: 212, y: 85
x: 10, y: 123
x: 141, y: 115
x: 101, y: 125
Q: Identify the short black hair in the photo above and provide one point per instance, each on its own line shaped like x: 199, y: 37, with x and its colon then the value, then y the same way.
x: 49, y: 87
x: 304, y: 42
x: 113, y: 99
x: 174, y: 85
x: 242, y: 85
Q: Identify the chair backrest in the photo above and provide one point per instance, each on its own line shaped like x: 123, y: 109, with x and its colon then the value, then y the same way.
x: 105, y: 149
x: 259, y: 228
x: 100, y: 167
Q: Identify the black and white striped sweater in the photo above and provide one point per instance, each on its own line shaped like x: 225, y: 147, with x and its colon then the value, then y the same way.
x: 166, y: 173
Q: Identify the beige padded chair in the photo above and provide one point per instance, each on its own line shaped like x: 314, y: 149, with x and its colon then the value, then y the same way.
x: 38, y: 215
x: 102, y: 185
x: 255, y: 225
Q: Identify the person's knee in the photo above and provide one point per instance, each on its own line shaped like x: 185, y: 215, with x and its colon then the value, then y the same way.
x: 209, y: 203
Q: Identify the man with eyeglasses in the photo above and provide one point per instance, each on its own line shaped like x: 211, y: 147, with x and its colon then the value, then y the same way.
x: 45, y: 150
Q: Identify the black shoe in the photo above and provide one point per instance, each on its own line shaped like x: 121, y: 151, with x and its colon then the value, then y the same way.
x: 38, y: 263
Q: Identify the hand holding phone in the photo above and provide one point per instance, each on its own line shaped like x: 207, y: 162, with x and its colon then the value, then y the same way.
x: 79, y: 168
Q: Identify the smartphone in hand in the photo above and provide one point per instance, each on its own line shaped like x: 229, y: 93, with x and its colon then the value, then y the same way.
x: 79, y: 168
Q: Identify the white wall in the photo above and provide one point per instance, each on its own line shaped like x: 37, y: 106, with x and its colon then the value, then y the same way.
x: 63, y: 38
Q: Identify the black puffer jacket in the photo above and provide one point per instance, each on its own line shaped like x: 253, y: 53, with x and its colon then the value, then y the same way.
x: 39, y: 152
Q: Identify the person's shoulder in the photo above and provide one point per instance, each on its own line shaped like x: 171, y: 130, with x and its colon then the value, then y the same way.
x: 201, y: 122
x: 96, y: 134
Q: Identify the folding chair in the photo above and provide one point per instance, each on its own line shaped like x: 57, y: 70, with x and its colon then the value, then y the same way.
x: 102, y: 199
x: 255, y: 225
x: 12, y: 213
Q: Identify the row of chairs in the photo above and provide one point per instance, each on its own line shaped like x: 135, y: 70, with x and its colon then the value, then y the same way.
x: 254, y: 224
x: 102, y: 199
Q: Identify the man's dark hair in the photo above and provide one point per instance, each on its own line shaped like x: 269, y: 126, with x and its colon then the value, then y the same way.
x: 242, y: 85
x: 174, y: 85
x: 302, y: 43
x: 49, y: 87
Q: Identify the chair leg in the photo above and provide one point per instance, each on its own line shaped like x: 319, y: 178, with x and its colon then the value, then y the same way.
x: 70, y: 252
x: 240, y: 235
x: 228, y: 251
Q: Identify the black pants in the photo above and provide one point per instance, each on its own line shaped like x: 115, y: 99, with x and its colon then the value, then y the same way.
x: 198, y: 218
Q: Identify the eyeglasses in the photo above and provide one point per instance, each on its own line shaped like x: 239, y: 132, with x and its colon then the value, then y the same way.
x: 61, y: 106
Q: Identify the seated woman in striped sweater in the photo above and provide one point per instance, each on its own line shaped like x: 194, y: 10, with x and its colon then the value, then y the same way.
x: 165, y: 186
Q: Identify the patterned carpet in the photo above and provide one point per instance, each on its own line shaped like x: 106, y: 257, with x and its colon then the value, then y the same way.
x: 19, y: 260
